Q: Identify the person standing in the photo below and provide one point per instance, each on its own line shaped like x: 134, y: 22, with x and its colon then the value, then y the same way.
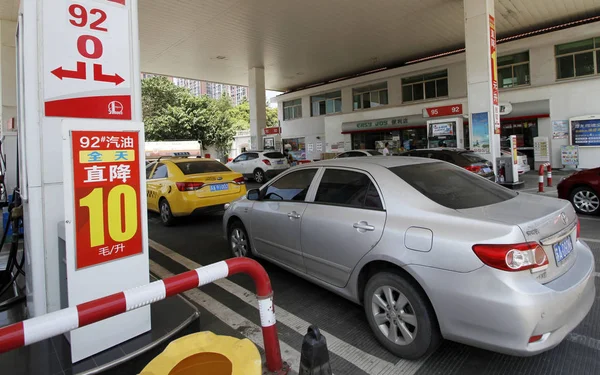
x: 386, y: 150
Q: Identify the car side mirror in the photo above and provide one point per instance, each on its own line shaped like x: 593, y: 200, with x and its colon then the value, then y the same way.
x: 253, y: 195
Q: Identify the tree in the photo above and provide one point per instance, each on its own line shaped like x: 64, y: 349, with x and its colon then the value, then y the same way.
x: 158, y: 93
x: 272, y: 119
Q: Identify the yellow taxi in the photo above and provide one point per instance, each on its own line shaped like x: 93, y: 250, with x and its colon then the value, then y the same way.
x: 182, y: 186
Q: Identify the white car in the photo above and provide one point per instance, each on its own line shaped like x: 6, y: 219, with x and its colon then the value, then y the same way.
x: 522, y: 164
x: 259, y: 165
x: 358, y: 153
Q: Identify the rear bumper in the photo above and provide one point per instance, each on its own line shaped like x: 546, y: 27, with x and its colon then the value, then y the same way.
x: 197, y: 205
x: 500, y: 311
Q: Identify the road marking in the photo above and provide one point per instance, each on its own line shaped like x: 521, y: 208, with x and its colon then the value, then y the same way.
x: 596, y: 274
x: 250, y: 330
x: 588, y: 218
x: 362, y: 360
x: 589, y: 240
x: 584, y: 340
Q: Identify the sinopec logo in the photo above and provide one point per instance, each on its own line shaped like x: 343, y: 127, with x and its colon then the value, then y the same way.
x: 115, y: 108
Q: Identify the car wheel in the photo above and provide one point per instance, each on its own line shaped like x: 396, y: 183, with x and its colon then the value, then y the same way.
x: 259, y: 176
x: 585, y: 201
x: 166, y: 215
x: 400, y: 316
x: 239, y: 241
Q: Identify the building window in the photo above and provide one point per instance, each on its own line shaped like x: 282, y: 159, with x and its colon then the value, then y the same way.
x: 292, y: 109
x: 370, y: 96
x: 427, y: 86
x: 326, y: 104
x: 513, y: 70
x: 577, y: 59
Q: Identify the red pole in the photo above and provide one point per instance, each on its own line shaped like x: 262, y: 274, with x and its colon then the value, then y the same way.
x: 264, y: 293
x: 541, y: 179
x: 549, y: 174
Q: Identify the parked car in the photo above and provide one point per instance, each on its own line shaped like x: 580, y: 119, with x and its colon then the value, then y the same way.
x: 259, y: 165
x: 583, y: 190
x: 522, y: 162
x: 430, y: 250
x: 463, y: 158
x: 186, y: 186
x: 358, y: 153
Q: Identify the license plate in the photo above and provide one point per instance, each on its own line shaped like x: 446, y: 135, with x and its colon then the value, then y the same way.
x: 562, y: 249
x: 486, y: 170
x: 219, y: 187
x: 279, y: 161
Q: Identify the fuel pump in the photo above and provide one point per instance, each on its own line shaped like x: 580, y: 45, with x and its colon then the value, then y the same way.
x: 446, y: 132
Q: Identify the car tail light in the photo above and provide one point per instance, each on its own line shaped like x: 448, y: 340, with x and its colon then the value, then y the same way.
x: 473, y: 168
x: 189, y: 186
x: 517, y: 257
x: 578, y: 228
x: 267, y: 162
x: 239, y: 181
x: 535, y: 338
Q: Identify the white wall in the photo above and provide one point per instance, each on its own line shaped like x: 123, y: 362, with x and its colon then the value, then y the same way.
x: 567, y: 99
x: 8, y: 99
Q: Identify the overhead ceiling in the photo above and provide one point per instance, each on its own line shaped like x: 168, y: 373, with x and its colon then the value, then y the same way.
x: 308, y: 41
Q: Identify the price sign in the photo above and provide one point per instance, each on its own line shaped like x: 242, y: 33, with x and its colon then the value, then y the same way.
x: 447, y: 110
x: 87, y: 59
x: 106, y: 179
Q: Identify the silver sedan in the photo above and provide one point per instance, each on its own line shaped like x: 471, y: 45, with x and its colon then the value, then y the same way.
x: 429, y: 249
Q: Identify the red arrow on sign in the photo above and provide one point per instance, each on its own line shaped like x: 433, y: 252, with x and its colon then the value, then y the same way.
x: 122, y: 2
x: 80, y: 73
x: 101, y: 77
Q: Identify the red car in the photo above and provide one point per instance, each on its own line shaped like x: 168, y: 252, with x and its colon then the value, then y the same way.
x: 583, y: 190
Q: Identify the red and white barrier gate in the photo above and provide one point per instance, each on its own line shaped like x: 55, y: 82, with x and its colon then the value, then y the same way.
x: 46, y: 326
x: 541, y: 176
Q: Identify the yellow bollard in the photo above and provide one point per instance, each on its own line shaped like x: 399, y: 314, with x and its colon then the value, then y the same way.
x: 206, y: 353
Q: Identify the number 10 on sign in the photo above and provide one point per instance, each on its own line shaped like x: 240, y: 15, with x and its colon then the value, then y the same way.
x: 106, y: 184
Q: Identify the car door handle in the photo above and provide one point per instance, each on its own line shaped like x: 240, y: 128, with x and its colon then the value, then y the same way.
x: 363, y: 225
x: 293, y: 215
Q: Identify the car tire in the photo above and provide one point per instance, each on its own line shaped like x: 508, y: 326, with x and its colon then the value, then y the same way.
x: 239, y: 242
x: 409, y: 331
x: 166, y: 215
x: 259, y: 176
x: 585, y: 201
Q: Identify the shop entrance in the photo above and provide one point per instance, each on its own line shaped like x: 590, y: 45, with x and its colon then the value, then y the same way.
x: 525, y: 130
x: 399, y: 140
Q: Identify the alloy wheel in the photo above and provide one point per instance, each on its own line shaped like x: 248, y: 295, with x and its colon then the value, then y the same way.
x: 239, y: 243
x: 586, y: 201
x: 394, y: 315
x: 165, y: 212
x: 258, y: 176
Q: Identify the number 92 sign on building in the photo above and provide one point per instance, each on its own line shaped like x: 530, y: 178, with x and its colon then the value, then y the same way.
x: 106, y: 182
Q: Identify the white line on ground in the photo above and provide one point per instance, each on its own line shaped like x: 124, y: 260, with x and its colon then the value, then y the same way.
x: 596, y: 274
x: 589, y: 240
x: 250, y: 330
x: 589, y: 218
x: 362, y: 360
x: 584, y: 340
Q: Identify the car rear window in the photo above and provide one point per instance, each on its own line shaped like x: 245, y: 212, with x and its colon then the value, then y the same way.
x: 473, y: 157
x: 274, y: 155
x: 375, y: 153
x: 195, y: 167
x: 451, y: 186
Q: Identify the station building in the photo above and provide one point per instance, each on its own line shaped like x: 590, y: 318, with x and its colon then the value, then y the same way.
x: 544, y: 80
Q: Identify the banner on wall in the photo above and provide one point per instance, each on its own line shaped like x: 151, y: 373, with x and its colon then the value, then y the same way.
x: 560, y: 129
x: 481, y: 133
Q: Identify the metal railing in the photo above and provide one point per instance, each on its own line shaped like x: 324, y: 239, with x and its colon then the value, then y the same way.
x: 46, y: 326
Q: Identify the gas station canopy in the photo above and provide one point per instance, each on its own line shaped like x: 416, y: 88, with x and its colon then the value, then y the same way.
x: 306, y: 42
